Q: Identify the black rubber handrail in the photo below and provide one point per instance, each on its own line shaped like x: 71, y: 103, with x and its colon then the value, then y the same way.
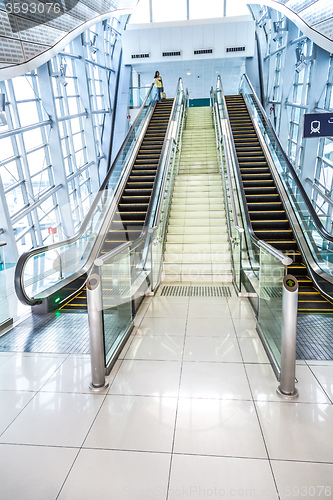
x: 326, y: 235
x: 261, y: 243
x: 160, y: 162
x: 18, y: 280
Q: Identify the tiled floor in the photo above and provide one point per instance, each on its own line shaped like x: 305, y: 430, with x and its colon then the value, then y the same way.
x: 191, y: 412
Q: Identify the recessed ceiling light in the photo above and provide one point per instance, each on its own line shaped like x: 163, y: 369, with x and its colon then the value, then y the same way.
x: 188, y: 73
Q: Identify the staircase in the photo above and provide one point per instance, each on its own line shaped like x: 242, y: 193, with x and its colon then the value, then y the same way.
x: 197, y: 247
x: 268, y: 217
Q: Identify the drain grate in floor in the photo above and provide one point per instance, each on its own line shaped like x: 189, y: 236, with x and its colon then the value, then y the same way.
x: 195, y: 291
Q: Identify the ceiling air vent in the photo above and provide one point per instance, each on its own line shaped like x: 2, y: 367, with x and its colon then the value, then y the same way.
x: 202, y: 51
x: 235, y: 49
x: 139, y: 56
x: 172, y: 53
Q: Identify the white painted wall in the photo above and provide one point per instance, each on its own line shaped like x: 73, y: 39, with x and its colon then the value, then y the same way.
x: 199, y: 72
x: 187, y: 36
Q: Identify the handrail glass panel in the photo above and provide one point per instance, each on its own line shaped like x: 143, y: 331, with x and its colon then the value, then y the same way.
x: 245, y: 252
x: 270, y: 301
x: 4, y: 309
x: 160, y: 214
x: 117, y: 307
x: 136, y: 96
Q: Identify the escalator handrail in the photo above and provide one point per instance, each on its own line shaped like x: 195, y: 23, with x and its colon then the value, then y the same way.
x: 286, y: 261
x: 146, y: 229
x: 18, y: 279
x: 291, y: 169
x: 166, y: 138
x: 231, y: 190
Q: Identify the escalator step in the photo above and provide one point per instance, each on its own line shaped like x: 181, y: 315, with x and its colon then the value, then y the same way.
x: 136, y: 185
x: 268, y: 198
x: 255, y: 170
x: 118, y: 225
x: 265, y: 205
x: 134, y: 199
x: 270, y: 225
x: 259, y: 191
x: 257, y: 177
x: 136, y: 192
x: 265, y: 234
x: 141, y: 169
x: 140, y: 207
x: 259, y: 184
x: 252, y: 164
x: 141, y: 178
x: 132, y: 217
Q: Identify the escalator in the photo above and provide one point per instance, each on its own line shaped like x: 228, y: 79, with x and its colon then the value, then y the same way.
x: 132, y: 209
x: 268, y: 216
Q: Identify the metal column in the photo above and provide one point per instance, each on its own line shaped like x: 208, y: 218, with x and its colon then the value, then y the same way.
x: 96, y: 329
x: 287, y: 388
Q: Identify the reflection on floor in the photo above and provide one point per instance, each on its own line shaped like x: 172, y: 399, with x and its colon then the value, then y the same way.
x: 191, y: 412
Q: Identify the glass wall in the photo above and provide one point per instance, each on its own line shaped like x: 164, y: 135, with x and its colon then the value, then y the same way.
x: 51, y: 139
x: 298, y: 79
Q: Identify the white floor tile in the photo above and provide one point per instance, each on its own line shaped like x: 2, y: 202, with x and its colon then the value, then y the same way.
x: 209, y: 310
x: 208, y: 301
x: 216, y: 427
x: 322, y: 362
x: 162, y: 326
x: 167, y: 309
x: 303, y: 480
x: 245, y: 327
x: 156, y: 348
x: 147, y: 378
x: 27, y: 373
x: 210, y: 327
x: 263, y: 384
x: 118, y: 475
x: 134, y: 423
x: 212, y: 349
x: 324, y: 375
x: 297, y: 431
x: 54, y: 420
x: 200, y: 477
x: 242, y: 310
x: 35, y: 472
x: 214, y: 380
x: 74, y: 375
x: 252, y: 350
x: 127, y: 345
x: 11, y: 404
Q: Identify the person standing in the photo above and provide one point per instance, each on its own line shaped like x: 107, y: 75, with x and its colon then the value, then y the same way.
x: 159, y: 85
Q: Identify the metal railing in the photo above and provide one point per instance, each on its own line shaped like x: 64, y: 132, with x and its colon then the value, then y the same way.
x: 134, y: 268
x: 258, y: 267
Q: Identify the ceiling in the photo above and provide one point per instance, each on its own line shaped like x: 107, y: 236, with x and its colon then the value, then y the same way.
x: 27, y: 38
x: 313, y: 17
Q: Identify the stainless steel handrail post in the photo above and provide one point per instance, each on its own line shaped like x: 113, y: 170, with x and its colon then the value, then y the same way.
x: 96, y: 331
x: 287, y: 388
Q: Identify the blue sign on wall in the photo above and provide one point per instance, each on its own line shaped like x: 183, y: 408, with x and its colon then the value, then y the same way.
x: 318, y: 125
